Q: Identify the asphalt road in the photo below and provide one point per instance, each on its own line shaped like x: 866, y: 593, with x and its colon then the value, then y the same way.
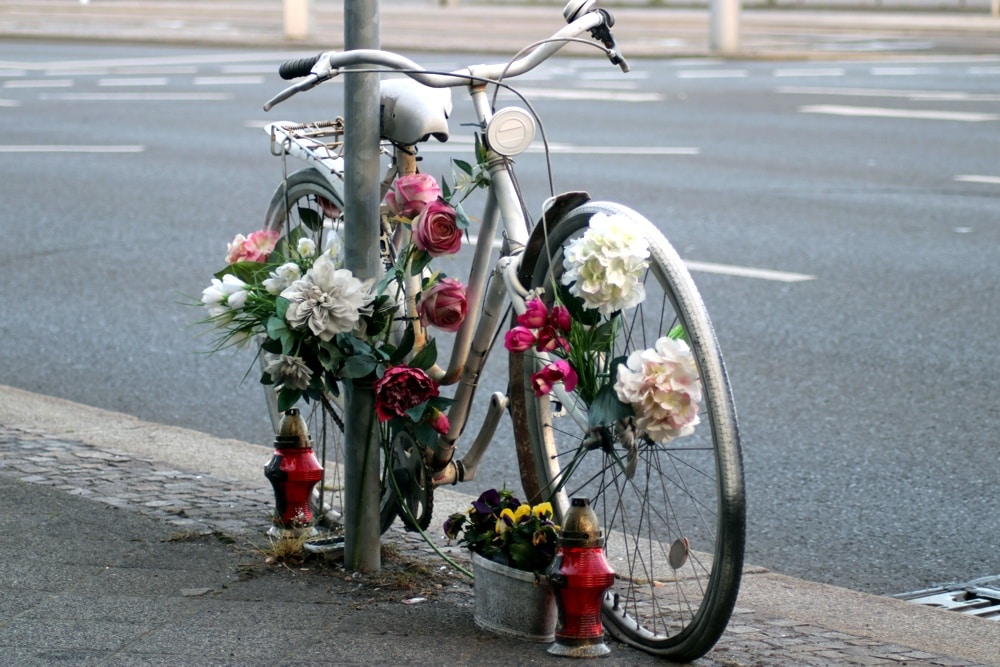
x: 841, y: 218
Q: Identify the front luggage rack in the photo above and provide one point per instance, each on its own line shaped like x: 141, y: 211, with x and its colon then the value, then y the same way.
x: 321, y: 141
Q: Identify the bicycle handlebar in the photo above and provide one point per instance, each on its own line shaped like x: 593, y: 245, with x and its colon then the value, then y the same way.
x: 327, y: 65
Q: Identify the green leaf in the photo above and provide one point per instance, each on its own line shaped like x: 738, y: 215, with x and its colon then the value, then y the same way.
x: 426, y: 435
x: 461, y: 219
x: 281, y: 306
x: 606, y: 409
x: 420, y: 261
x: 403, y: 348
x: 276, y: 327
x: 577, y: 310
x: 271, y: 345
x: 287, y: 398
x: 358, y: 366
x: 463, y: 165
x: 310, y: 218
x: 427, y: 357
x: 677, y: 332
x: 330, y: 356
x: 416, y: 413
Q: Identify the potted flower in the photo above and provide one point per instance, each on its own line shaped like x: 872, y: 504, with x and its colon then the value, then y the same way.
x: 512, y: 544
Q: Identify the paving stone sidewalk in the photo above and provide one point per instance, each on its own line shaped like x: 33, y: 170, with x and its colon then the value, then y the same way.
x: 189, y: 501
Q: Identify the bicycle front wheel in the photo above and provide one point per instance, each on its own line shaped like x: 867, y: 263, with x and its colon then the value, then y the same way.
x: 672, y: 512
x: 307, y: 205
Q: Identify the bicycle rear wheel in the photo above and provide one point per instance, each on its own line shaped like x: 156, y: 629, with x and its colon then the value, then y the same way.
x: 673, y: 513
x: 306, y: 203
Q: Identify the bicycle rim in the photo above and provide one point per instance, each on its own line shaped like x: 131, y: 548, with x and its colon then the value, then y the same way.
x: 672, y: 513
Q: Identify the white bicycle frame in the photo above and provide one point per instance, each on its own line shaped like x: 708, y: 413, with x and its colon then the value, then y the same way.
x: 490, y: 286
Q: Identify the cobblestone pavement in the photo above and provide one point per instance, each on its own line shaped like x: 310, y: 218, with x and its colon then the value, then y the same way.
x: 197, y: 502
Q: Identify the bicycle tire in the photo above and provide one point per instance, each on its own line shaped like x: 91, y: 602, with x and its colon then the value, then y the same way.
x: 686, y: 495
x: 306, y: 199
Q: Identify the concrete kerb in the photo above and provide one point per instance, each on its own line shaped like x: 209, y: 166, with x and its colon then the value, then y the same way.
x: 789, y: 610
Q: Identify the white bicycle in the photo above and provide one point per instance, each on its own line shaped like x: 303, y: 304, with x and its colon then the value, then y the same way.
x: 669, y: 498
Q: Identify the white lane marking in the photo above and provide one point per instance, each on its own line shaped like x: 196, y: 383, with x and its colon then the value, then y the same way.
x: 10, y: 103
x: 978, y: 178
x: 747, y: 272
x: 6, y: 71
x: 712, y: 74
x: 902, y: 71
x: 806, y: 72
x: 155, y: 70
x: 132, y: 81
x: 250, y: 69
x: 567, y: 149
x: 596, y: 95
x: 611, y: 76
x: 921, y: 95
x: 914, y: 114
x: 38, y: 83
x: 55, y: 148
x: 983, y: 70
x: 136, y: 97
x: 227, y: 80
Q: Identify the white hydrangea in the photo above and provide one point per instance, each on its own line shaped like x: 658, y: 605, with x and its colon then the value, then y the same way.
x: 605, y: 266
x: 326, y: 299
x: 662, y: 386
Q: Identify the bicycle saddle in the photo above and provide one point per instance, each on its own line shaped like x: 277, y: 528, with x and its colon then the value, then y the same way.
x: 413, y: 112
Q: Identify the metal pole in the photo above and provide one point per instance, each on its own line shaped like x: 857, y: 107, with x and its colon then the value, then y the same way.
x: 725, y: 26
x: 362, y: 549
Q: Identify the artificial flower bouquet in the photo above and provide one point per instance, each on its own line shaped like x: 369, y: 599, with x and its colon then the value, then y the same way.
x: 501, y: 528
x: 655, y: 392
x: 318, y: 324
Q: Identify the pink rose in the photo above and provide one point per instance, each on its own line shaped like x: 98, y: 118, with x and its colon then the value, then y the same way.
x: 439, y: 422
x: 443, y: 305
x: 535, y: 316
x: 559, y: 318
x: 257, y: 248
x: 402, y: 388
x: 558, y: 371
x: 549, y: 340
x: 411, y: 193
x: 519, y: 339
x: 436, y: 231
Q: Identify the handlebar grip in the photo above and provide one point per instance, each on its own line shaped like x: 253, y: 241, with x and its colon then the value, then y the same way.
x: 293, y: 69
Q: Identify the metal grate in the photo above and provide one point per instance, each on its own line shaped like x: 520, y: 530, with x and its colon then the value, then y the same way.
x: 980, y: 597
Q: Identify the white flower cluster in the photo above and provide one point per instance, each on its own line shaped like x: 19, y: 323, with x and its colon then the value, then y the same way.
x: 663, y: 388
x: 225, y: 295
x: 326, y: 299
x: 604, y: 267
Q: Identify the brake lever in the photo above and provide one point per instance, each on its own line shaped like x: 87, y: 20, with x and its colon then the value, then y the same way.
x: 321, y: 71
x: 602, y: 34
x: 302, y: 86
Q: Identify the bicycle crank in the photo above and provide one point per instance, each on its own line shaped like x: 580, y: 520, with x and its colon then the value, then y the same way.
x: 411, y: 482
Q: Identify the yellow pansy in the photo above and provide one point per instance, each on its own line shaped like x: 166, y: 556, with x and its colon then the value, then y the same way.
x: 542, y: 510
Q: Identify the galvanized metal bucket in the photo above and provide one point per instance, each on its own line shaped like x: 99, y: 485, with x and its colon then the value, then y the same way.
x: 511, y: 603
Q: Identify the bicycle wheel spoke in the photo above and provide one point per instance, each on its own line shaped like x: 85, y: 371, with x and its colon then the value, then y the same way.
x: 670, y: 506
